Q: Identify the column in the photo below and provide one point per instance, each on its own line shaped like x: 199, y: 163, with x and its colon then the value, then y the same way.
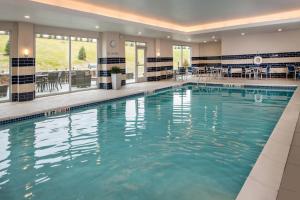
x: 23, y: 63
x: 112, y: 54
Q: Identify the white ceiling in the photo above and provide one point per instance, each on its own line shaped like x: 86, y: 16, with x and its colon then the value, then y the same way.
x: 191, y: 12
x: 185, y: 12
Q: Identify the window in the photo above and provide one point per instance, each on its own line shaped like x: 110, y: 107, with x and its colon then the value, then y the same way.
x: 65, y: 63
x: 84, y: 63
x: 4, y: 65
x: 52, y: 64
x: 181, y: 56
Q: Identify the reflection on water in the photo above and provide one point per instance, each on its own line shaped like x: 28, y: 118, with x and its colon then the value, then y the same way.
x: 185, y: 144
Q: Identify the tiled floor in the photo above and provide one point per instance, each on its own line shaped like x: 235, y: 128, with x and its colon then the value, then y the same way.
x: 290, y: 184
x: 11, y: 110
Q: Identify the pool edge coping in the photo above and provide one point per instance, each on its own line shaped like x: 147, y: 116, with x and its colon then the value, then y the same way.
x: 263, y: 181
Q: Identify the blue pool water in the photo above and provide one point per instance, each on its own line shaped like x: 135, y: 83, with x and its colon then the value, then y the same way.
x: 186, y: 143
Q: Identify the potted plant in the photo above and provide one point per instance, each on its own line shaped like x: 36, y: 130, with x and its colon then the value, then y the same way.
x: 116, y: 78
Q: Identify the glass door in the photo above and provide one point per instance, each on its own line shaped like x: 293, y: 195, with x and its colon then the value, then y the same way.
x: 140, y: 64
x: 130, y: 61
x: 4, y: 66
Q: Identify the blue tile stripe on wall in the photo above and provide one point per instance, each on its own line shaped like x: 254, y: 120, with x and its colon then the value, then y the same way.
x: 23, y: 79
x: 23, y: 62
x: 116, y: 60
x: 159, y: 68
x: 27, y: 96
x: 250, y: 56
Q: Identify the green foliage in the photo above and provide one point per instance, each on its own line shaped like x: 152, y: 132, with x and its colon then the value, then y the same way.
x: 53, y: 54
x: 185, y: 63
x: 7, y: 48
x: 115, y: 70
x: 82, y: 54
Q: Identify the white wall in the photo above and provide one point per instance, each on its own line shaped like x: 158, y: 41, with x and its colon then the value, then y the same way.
x: 286, y: 41
x: 210, y: 49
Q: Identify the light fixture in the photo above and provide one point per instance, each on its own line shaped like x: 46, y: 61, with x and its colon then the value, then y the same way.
x: 26, y: 53
x: 216, y: 40
x: 158, y: 54
x: 204, y: 41
x: 140, y: 33
x: 279, y: 30
x: 189, y: 39
x: 27, y: 17
x: 97, y: 27
x: 243, y: 34
x: 168, y: 37
x: 213, y: 37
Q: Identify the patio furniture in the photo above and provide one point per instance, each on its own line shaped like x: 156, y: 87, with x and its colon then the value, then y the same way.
x: 3, y: 90
x: 265, y: 71
x: 278, y: 71
x: 129, y: 76
x: 181, y: 72
x: 41, y: 82
x: 53, y: 81
x: 291, y: 69
x: 226, y: 72
x: 236, y: 71
x: 81, y: 79
x: 217, y: 71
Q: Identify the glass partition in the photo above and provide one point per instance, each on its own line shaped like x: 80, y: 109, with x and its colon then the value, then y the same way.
x: 130, y: 61
x: 4, y: 65
x: 65, y: 64
x: 84, y: 63
x: 176, y: 57
x: 181, y: 56
x: 186, y: 55
x: 52, y: 64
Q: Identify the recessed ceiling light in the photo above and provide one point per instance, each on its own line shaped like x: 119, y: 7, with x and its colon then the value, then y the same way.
x: 213, y: 37
x: 27, y: 17
x: 216, y: 40
x: 168, y: 37
x: 279, y: 30
x: 205, y: 41
x: 140, y: 33
x: 97, y: 27
x: 243, y: 34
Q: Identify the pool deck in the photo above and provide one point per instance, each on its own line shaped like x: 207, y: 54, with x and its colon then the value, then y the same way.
x: 276, y: 174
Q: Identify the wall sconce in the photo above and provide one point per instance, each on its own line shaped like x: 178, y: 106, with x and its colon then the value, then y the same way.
x: 26, y: 53
x: 158, y: 54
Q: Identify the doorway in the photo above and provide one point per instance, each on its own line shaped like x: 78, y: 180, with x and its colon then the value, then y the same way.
x: 135, y: 55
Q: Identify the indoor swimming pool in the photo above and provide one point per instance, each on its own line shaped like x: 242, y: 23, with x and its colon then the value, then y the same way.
x: 190, y: 142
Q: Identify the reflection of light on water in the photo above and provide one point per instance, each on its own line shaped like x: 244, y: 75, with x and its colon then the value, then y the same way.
x: 64, y: 138
x: 134, y: 116
x: 4, y: 153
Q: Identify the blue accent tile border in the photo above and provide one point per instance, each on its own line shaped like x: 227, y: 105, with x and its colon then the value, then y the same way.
x: 263, y: 55
x: 158, y: 69
x: 160, y: 59
x: 206, y: 58
x: 116, y: 60
x: 107, y: 73
x: 106, y: 86
x: 23, y: 62
x: 20, y: 97
x: 24, y: 79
